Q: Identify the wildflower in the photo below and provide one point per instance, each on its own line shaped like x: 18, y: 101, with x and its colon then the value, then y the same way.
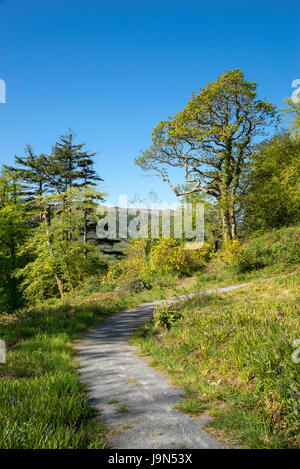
x: 280, y: 388
x: 47, y: 432
x: 14, y: 401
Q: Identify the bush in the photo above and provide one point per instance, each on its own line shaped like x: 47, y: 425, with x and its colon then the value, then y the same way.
x: 235, y: 256
x: 134, y: 286
x: 167, y: 256
x: 164, y: 257
x: 165, y: 317
x: 275, y: 247
x: 131, y: 267
x: 92, y: 285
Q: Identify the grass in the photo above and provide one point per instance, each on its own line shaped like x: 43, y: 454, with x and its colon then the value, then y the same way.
x: 42, y: 402
x: 232, y: 353
x: 274, y: 253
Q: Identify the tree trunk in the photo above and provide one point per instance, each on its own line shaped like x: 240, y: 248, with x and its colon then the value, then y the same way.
x: 227, y: 209
x: 226, y: 232
x: 233, y: 226
x: 232, y: 220
x: 85, y: 233
x: 47, y: 220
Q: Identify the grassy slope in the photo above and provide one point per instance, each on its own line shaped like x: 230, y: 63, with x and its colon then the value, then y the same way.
x: 42, y: 402
x: 232, y: 354
x: 44, y: 405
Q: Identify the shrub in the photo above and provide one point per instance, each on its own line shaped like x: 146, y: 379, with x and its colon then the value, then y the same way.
x: 92, y: 285
x: 165, y: 317
x: 134, y: 286
x: 131, y: 267
x: 235, y: 255
x: 168, y: 256
x: 275, y: 247
x: 163, y: 257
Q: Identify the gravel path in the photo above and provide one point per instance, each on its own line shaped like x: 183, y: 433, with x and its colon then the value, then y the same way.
x: 136, y: 402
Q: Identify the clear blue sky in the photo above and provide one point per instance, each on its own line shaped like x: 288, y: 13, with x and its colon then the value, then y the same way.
x: 111, y: 70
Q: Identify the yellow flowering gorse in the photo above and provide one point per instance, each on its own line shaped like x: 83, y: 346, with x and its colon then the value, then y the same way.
x: 165, y: 256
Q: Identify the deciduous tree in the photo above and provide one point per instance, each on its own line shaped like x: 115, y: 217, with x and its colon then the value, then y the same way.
x: 211, y: 140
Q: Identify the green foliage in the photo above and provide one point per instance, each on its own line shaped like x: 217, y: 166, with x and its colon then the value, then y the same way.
x: 211, y: 140
x: 276, y: 247
x: 13, y: 232
x: 234, y: 255
x: 53, y: 198
x: 133, y: 286
x: 272, y: 197
x: 165, y: 317
x: 92, y: 285
x: 148, y: 260
x: 212, y: 225
x: 57, y: 254
x: 293, y: 111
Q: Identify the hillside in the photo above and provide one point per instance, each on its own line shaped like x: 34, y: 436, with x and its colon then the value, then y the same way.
x: 233, y: 353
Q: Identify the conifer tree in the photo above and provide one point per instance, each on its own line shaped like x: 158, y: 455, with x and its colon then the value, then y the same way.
x: 39, y: 179
x: 63, y: 163
x: 72, y: 166
x: 88, y: 178
x: 61, y: 186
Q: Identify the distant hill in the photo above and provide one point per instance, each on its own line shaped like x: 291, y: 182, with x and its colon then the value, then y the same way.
x: 135, y: 210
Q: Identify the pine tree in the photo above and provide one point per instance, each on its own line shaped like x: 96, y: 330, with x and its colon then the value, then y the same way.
x: 88, y: 178
x: 72, y: 166
x: 39, y: 179
x: 50, y: 182
x: 32, y: 170
x: 63, y: 163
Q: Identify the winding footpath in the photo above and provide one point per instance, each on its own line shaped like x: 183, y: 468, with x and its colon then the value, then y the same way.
x: 136, y: 402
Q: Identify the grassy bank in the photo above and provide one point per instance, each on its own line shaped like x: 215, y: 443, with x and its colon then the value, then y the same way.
x: 232, y: 353
x: 272, y: 253
x: 42, y: 402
